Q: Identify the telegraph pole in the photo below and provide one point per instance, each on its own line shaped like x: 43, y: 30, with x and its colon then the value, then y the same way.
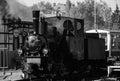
x: 95, y: 26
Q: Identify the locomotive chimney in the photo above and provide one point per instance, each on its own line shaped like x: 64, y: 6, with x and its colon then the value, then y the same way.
x: 36, y: 14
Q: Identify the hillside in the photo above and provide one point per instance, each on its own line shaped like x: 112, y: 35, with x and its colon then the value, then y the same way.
x: 19, y: 10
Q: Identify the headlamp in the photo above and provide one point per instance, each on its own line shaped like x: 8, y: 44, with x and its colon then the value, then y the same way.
x: 45, y: 51
x: 20, y: 51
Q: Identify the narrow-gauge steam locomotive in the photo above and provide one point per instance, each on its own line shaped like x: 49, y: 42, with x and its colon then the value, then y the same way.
x: 59, y: 46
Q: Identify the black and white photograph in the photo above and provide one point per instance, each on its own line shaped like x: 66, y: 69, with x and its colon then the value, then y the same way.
x: 59, y: 40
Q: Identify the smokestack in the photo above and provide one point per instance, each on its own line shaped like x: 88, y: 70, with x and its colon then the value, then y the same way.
x: 36, y: 14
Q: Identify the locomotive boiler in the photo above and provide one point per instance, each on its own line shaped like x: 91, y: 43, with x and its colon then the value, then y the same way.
x: 59, y: 45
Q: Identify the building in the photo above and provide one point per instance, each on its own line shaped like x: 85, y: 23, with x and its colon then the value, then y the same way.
x: 58, y: 10
x: 116, y: 18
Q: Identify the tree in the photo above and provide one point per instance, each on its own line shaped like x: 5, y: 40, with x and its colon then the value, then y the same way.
x: 116, y: 18
x: 68, y: 6
x: 4, y: 7
x: 41, y: 5
x: 35, y: 7
x: 104, y: 14
x: 44, y: 7
x: 48, y: 7
x: 86, y: 11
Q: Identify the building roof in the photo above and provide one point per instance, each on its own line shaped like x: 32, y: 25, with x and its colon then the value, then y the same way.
x: 102, y: 31
x: 97, y: 31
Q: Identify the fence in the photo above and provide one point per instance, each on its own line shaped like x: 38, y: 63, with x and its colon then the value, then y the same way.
x: 7, y: 59
x: 3, y: 58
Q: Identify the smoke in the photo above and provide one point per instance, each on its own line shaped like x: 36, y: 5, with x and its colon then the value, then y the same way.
x: 19, y: 10
x: 15, y: 9
x: 3, y: 7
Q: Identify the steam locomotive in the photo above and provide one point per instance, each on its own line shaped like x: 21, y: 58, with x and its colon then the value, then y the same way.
x: 59, y: 46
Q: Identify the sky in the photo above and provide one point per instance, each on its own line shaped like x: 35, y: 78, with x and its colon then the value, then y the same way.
x: 31, y: 2
x: 111, y: 3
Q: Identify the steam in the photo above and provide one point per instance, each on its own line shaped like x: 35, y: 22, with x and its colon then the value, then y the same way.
x: 14, y: 9
x: 3, y: 9
x: 19, y: 10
